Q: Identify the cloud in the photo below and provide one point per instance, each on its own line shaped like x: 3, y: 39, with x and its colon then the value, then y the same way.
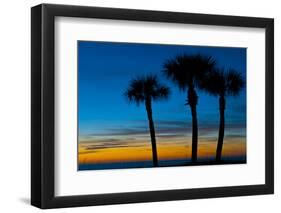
x: 101, y: 140
x: 172, y: 123
x: 165, y: 129
x: 105, y: 144
x: 95, y: 147
x: 170, y: 135
x: 235, y: 135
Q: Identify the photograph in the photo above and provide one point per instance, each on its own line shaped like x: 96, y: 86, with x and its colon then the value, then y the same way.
x: 141, y: 105
x: 146, y: 105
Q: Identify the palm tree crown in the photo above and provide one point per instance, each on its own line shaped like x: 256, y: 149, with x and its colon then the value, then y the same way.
x: 223, y: 83
x: 188, y: 70
x: 146, y: 88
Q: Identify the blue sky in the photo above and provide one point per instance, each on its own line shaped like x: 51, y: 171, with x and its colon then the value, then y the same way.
x: 104, y: 72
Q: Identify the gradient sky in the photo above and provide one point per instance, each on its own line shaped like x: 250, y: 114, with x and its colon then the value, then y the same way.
x: 112, y: 129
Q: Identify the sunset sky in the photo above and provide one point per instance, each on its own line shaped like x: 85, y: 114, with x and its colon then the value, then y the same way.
x: 112, y: 130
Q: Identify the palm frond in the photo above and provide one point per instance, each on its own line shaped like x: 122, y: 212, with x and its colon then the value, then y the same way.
x: 146, y: 87
x: 223, y: 82
x: 188, y: 70
x: 173, y: 69
x: 214, y: 82
x: 161, y: 92
x: 234, y: 82
x: 135, y: 92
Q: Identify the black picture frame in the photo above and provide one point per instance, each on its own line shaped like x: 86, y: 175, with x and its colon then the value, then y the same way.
x: 43, y: 111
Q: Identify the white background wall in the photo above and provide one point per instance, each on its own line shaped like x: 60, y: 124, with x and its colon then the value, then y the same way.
x: 15, y: 105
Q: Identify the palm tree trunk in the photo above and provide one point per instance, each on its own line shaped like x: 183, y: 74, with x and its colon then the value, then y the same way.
x: 152, y: 132
x: 194, y: 134
x: 192, y: 99
x: 221, y: 128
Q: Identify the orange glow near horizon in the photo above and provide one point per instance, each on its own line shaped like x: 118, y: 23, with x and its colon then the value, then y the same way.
x: 180, y: 149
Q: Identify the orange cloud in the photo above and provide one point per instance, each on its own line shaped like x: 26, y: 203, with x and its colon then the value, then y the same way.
x: 179, y: 148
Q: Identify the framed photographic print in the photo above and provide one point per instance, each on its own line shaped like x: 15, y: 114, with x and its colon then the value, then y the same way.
x: 139, y: 106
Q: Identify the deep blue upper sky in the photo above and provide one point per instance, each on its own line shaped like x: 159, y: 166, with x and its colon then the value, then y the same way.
x: 104, y: 72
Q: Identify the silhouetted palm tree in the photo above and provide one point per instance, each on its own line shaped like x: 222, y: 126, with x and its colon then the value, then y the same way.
x: 187, y: 71
x: 222, y: 83
x: 145, y: 90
